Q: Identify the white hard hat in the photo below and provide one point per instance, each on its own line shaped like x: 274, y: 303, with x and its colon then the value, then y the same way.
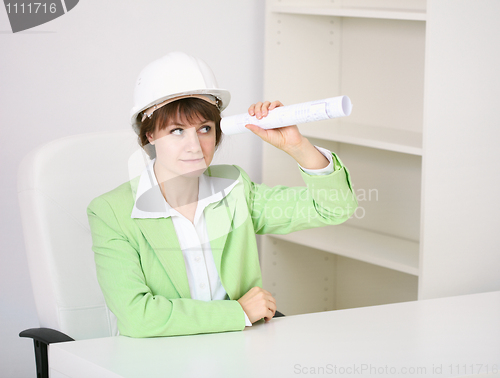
x: 172, y: 77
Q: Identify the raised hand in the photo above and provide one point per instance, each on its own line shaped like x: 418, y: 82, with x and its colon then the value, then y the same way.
x: 288, y: 138
x: 285, y: 138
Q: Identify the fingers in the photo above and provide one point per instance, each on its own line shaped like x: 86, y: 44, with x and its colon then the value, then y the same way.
x: 261, y: 109
x: 259, y: 131
x: 271, y: 310
x: 268, y: 304
x: 275, y: 104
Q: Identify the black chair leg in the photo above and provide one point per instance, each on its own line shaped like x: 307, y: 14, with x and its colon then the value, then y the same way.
x: 41, y: 359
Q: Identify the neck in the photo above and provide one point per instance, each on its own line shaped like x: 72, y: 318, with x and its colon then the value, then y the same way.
x: 179, y: 190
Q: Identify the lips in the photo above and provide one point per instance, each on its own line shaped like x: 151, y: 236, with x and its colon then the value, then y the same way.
x: 193, y: 160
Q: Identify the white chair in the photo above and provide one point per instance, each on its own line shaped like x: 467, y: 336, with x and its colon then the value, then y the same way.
x: 56, y: 182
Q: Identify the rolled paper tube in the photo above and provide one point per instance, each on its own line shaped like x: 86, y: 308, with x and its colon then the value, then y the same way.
x: 290, y: 115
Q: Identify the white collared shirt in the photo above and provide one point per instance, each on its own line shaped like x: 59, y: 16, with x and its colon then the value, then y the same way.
x: 203, y: 278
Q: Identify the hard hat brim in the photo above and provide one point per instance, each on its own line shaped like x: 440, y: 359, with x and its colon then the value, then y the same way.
x: 223, y: 95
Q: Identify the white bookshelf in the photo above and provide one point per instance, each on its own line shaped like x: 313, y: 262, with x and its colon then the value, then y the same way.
x: 429, y: 231
x: 374, y: 53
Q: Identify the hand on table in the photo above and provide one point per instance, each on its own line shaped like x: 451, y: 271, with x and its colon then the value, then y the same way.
x: 257, y: 304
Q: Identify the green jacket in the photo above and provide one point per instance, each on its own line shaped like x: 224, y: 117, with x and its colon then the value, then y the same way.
x: 140, y: 266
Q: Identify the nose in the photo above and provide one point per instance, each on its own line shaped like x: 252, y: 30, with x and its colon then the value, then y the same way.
x: 192, y: 141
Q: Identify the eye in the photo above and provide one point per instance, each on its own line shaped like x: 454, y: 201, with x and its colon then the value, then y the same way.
x: 177, y: 131
x: 205, y: 129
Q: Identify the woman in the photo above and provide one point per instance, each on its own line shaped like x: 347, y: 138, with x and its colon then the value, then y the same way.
x: 175, y: 248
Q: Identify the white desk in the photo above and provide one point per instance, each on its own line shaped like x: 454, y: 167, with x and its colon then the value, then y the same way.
x: 448, y: 337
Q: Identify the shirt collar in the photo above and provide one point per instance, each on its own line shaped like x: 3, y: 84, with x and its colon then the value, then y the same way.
x: 150, y: 203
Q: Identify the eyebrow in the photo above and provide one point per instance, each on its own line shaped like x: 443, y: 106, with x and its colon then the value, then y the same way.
x: 183, y: 125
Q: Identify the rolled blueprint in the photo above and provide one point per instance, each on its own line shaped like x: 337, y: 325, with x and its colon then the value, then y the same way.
x: 290, y: 115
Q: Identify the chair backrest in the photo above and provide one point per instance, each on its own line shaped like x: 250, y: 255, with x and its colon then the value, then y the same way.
x: 56, y: 182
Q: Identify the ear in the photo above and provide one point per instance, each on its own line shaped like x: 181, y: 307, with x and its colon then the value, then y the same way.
x: 150, y: 138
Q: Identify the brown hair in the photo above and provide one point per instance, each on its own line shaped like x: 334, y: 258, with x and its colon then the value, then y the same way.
x: 192, y: 109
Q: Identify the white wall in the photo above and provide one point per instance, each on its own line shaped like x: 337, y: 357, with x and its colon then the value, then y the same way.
x: 75, y: 75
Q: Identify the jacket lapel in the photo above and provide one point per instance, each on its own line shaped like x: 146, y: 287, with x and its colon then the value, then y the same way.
x: 160, y: 234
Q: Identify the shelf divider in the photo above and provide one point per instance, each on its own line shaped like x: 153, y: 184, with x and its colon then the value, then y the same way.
x: 408, y: 142
x: 359, y: 244
x: 391, y: 14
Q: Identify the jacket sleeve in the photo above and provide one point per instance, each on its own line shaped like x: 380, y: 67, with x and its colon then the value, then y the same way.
x: 325, y: 200
x: 140, y: 313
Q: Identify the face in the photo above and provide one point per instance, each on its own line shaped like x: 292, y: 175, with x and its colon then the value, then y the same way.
x: 184, y: 148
